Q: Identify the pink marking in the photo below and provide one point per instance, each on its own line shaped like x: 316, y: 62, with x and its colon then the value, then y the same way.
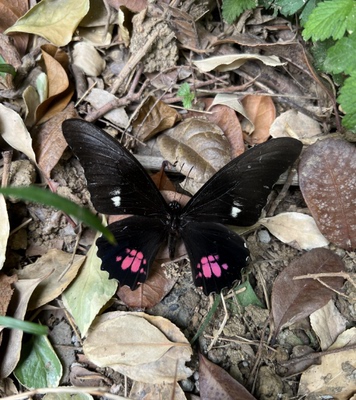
x: 118, y: 258
x: 133, y: 260
x: 211, y: 266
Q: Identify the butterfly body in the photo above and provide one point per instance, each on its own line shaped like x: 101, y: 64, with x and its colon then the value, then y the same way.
x: 235, y: 195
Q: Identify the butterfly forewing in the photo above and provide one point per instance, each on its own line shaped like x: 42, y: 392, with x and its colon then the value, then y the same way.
x: 117, y: 182
x: 216, y: 254
x: 237, y: 193
x: 138, y: 241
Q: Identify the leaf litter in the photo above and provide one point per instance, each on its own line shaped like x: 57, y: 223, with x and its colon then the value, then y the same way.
x: 139, y: 345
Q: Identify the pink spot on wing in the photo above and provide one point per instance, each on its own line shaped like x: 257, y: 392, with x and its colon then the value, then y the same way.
x: 133, y: 261
x: 210, y: 266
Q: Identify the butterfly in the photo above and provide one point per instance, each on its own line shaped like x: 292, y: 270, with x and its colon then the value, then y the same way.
x: 235, y: 195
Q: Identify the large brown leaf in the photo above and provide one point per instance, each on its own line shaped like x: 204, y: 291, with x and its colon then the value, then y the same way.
x: 327, y: 178
x: 293, y: 300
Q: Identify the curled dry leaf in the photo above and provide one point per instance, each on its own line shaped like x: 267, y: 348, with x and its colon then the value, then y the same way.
x: 10, y: 354
x: 328, y: 324
x: 50, y: 268
x: 261, y: 112
x: 199, y: 147
x: 154, y: 116
x: 216, y: 384
x: 293, y: 300
x: 15, y: 133
x: 88, y: 59
x: 145, y: 348
x: 296, y: 229
x: 230, y: 62
x: 327, y: 178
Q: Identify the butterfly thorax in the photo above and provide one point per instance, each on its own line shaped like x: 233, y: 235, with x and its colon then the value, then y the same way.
x: 174, y: 225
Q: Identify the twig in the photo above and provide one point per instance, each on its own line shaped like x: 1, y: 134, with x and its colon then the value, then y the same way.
x: 7, y: 157
x: 222, y: 326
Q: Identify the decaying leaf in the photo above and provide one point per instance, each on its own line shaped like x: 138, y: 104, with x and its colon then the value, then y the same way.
x: 143, y: 347
x: 50, y: 267
x: 15, y: 133
x: 98, y: 98
x: 90, y: 283
x: 327, y: 178
x: 199, y: 147
x: 293, y: 300
x: 328, y: 324
x: 154, y: 116
x: 216, y: 384
x: 51, y: 21
x: 261, y: 112
x: 297, y: 123
x: 230, y: 62
x: 88, y: 59
x: 142, y: 390
x: 10, y: 354
x: 296, y: 229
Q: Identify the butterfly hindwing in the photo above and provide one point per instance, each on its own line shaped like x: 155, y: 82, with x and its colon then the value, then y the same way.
x: 237, y: 193
x: 138, y: 241
x: 117, y: 182
x: 216, y: 254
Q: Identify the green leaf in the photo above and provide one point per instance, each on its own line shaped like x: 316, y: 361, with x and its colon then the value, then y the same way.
x: 90, y: 283
x: 54, y: 20
x: 248, y: 296
x: 347, y: 100
x: 42, y: 196
x: 231, y: 9
x: 330, y: 19
x: 29, y: 327
x: 39, y: 366
x: 342, y: 56
x: 288, y: 7
x: 186, y: 94
x: 6, y: 68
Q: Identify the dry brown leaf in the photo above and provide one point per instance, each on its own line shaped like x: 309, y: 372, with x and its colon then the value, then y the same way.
x: 296, y: 229
x: 292, y: 121
x: 216, y: 384
x: 347, y: 338
x: 262, y: 112
x: 133, y: 5
x: 6, y: 291
x: 88, y: 59
x: 49, y: 143
x: 147, y: 391
x: 10, y: 354
x: 4, y: 230
x: 293, y: 300
x: 327, y: 178
x: 333, y: 377
x: 328, y: 324
x: 59, y: 89
x: 199, y: 147
x: 143, y: 347
x: 154, y: 116
x: 50, y: 267
x: 10, y: 12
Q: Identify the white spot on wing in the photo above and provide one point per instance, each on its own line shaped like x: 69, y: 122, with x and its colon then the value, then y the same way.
x: 235, y: 211
x: 116, y: 199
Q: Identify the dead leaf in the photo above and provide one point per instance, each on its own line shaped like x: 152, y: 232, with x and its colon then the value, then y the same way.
x: 296, y: 229
x: 216, y: 384
x: 133, y: 5
x: 10, y: 354
x: 230, y: 62
x: 328, y: 324
x: 56, y: 24
x: 327, y: 178
x: 199, y: 147
x: 147, y: 391
x: 293, y: 300
x: 99, y: 98
x: 154, y: 116
x: 50, y: 267
x: 262, y: 112
x: 143, y: 347
x: 347, y: 338
x: 88, y: 59
x: 334, y: 377
x: 15, y: 133
x: 49, y: 143
x: 6, y: 291
x: 300, y: 125
x: 59, y: 89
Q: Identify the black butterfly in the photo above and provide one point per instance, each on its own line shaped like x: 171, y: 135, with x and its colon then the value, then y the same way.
x: 235, y: 195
